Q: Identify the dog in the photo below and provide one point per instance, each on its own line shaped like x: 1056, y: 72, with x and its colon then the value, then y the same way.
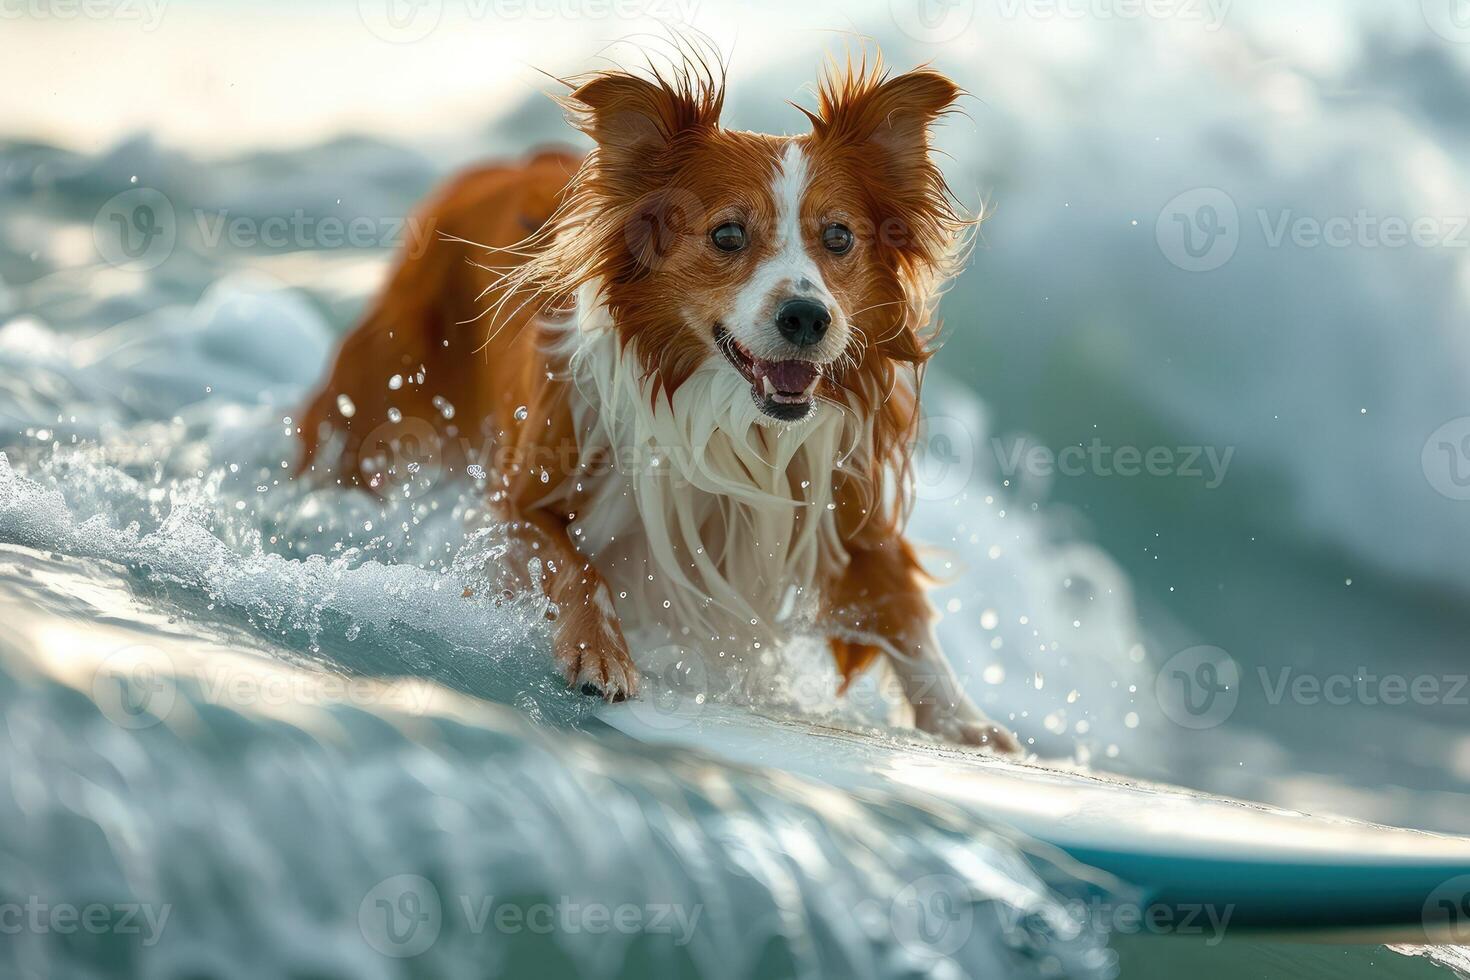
x: 697, y: 353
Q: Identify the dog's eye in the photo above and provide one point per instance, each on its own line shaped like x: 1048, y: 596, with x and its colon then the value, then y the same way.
x: 729, y: 237
x: 837, y: 238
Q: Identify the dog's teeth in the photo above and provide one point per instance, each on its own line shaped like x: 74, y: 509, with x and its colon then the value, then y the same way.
x: 770, y: 386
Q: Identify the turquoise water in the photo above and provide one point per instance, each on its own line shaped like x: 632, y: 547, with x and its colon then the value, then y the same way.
x: 183, y: 747
x: 224, y: 815
x: 253, y: 727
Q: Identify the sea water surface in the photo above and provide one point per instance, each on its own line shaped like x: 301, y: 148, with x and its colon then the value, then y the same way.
x: 255, y: 727
x: 258, y: 728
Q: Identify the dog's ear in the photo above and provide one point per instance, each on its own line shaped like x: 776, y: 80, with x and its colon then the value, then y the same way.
x: 633, y: 119
x: 879, y: 128
x: 887, y: 118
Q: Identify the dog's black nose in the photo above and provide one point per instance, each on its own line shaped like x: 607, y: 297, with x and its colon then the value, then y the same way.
x: 803, y: 321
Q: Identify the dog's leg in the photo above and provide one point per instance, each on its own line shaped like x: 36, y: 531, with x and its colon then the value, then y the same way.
x: 586, y: 640
x: 880, y: 595
x: 941, y: 706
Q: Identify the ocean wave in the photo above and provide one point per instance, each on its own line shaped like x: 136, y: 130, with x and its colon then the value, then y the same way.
x: 213, y: 806
x: 363, y: 721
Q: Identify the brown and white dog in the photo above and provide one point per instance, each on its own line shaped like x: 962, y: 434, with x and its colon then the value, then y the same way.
x: 697, y: 352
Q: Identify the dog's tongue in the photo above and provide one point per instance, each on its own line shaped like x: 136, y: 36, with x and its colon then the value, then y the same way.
x: 787, y: 377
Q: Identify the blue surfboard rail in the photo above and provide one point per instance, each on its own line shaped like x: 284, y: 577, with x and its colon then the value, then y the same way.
x: 1369, y: 901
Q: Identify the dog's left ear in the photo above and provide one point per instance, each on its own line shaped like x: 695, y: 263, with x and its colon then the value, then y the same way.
x: 888, y: 118
x: 882, y: 125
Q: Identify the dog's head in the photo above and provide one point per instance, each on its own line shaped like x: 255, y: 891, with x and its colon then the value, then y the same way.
x: 808, y: 264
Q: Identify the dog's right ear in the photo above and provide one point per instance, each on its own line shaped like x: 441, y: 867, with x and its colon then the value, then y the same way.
x: 633, y: 119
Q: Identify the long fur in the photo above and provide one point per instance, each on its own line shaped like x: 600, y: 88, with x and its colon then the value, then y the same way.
x: 588, y: 240
x: 707, y: 518
x: 684, y: 509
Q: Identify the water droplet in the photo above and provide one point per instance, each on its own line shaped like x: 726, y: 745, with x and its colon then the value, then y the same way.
x: 394, y: 415
x: 345, y: 406
x: 522, y: 413
x: 395, y: 382
x: 442, y: 404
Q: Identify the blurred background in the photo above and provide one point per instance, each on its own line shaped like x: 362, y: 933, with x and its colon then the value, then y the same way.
x: 1199, y: 446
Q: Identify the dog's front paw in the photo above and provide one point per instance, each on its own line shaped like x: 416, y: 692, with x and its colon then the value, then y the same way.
x: 593, y: 656
x: 965, y: 725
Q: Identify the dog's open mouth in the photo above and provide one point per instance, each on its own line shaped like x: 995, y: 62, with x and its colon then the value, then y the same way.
x: 785, y: 390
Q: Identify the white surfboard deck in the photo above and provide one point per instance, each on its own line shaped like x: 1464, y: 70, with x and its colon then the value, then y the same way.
x: 1276, y: 870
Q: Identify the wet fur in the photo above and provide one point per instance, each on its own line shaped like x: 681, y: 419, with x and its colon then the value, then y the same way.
x: 493, y: 315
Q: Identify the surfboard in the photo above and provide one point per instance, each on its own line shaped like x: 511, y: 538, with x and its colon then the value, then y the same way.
x: 1275, y: 870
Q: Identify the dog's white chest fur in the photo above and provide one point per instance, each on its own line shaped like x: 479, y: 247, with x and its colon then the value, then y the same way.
x: 710, y: 526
